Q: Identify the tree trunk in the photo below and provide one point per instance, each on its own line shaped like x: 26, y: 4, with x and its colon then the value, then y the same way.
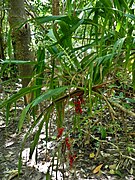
x: 1, y: 33
x: 20, y: 38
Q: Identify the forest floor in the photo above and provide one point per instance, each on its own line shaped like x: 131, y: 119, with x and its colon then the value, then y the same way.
x: 110, y: 158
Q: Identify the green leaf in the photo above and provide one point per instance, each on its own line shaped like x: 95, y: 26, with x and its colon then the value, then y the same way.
x: 63, y: 38
x: 9, y: 61
x: 130, y: 100
x: 107, y: 3
x: 118, y: 26
x: 69, y: 7
x: 125, y: 5
x: 23, y: 115
x: 86, y: 61
x: 131, y: 16
x: 76, y: 25
x: 103, y: 132
x: 46, y: 19
x: 18, y: 95
x: 39, y: 70
x: 49, y: 94
x: 7, y: 113
x: 25, y: 138
x: 117, y: 47
x: 133, y: 75
x: 36, y: 138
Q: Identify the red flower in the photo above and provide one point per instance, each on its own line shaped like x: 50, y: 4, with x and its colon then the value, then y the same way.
x: 60, y: 132
x: 68, y: 145
x: 71, y: 159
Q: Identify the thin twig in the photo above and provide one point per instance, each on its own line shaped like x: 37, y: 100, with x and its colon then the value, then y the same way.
x: 128, y: 157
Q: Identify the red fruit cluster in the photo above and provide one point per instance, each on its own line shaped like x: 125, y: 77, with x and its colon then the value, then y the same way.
x: 77, y: 102
x: 60, y: 132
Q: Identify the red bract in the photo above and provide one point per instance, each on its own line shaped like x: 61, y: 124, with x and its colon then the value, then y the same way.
x: 78, y: 110
x: 60, y: 132
x: 71, y: 159
x: 68, y: 145
x: 77, y: 102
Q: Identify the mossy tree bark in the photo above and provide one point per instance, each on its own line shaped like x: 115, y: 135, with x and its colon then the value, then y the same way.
x: 20, y: 38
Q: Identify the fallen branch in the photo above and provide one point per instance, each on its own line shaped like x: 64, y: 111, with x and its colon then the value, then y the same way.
x: 122, y: 108
x: 118, y: 149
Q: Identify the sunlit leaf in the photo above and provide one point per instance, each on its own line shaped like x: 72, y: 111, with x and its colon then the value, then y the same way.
x: 92, y: 155
x: 97, y: 169
x: 113, y: 166
x: 118, y: 27
x: 10, y: 61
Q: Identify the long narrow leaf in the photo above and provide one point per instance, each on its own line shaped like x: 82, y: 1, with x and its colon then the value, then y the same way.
x: 49, y: 94
x: 23, y: 116
x: 10, y: 61
x: 36, y: 138
x: 18, y: 95
x: 24, y: 140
